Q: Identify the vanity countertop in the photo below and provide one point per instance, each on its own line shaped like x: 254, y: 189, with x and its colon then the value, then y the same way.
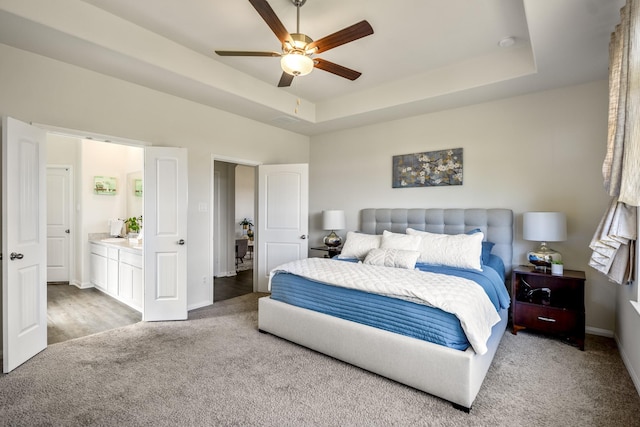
x: 120, y: 243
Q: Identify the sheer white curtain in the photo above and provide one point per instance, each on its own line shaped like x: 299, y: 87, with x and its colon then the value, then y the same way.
x: 613, y: 243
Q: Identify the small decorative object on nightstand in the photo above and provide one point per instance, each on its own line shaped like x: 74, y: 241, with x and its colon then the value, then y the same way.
x: 548, y: 303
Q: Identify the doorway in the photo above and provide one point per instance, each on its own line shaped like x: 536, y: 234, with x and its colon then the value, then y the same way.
x: 163, y: 288
x: 234, y: 195
x: 73, y: 213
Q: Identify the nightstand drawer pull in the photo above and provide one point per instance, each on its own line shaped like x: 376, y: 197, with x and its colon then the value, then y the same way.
x: 546, y: 319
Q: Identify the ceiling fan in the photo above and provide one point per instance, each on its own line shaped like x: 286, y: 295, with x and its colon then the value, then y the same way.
x: 298, y: 49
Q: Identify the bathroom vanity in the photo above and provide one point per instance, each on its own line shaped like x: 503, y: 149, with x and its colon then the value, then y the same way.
x: 116, y: 268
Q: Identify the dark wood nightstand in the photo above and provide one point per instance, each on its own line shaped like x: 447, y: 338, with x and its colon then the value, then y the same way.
x: 331, y: 251
x: 549, y: 303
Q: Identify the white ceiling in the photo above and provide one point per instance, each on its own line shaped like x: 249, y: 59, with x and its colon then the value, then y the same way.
x: 424, y: 55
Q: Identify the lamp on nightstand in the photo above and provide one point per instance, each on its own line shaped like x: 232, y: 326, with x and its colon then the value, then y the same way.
x: 333, y: 220
x: 544, y: 227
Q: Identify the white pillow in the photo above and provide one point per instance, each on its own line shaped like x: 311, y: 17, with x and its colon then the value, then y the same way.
x: 392, y: 258
x: 399, y: 241
x: 358, y: 245
x: 452, y: 250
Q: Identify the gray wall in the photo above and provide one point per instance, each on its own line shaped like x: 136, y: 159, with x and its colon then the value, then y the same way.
x: 542, y: 151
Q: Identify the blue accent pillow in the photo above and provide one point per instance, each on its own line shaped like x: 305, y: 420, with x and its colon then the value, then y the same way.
x: 486, y: 252
x: 486, y: 247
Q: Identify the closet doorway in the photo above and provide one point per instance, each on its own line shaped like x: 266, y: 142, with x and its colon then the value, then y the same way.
x: 234, y: 195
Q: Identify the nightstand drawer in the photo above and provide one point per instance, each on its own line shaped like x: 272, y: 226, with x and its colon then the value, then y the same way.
x: 545, y: 319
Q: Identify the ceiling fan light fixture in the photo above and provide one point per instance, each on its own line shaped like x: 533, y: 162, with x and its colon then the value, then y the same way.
x: 296, y: 64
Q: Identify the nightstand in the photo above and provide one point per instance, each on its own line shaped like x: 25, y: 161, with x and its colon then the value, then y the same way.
x: 548, y: 303
x: 331, y: 251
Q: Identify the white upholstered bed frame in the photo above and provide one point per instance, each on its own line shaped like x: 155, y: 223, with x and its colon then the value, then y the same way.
x: 453, y: 375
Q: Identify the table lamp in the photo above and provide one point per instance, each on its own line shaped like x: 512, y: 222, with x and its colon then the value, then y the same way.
x: 333, y: 220
x: 544, y: 227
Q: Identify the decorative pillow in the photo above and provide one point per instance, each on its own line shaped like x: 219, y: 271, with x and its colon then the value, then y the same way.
x: 486, y: 251
x: 392, y: 258
x: 358, y: 245
x: 399, y: 241
x: 486, y: 246
x: 452, y: 250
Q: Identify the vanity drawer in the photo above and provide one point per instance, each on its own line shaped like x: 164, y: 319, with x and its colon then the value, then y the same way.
x: 131, y: 258
x: 113, y: 253
x: 99, y: 250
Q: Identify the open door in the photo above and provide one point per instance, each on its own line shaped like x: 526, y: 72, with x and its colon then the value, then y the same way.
x: 24, y: 240
x: 283, y: 217
x: 165, y: 233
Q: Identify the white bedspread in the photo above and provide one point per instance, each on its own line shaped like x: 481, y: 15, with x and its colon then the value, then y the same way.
x: 462, y: 297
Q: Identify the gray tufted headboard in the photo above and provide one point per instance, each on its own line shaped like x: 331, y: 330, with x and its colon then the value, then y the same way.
x: 496, y: 224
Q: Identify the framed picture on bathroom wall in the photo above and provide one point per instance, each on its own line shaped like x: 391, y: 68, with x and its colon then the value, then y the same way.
x: 105, y: 185
x: 137, y: 187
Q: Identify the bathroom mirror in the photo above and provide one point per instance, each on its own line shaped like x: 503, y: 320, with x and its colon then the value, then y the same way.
x: 135, y: 194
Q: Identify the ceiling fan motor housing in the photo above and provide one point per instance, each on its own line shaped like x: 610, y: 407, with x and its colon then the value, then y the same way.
x: 300, y: 42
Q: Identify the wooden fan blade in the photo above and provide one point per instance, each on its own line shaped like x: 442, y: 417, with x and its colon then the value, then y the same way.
x: 346, y: 35
x: 246, y: 53
x: 285, y: 80
x: 272, y: 20
x: 336, y: 69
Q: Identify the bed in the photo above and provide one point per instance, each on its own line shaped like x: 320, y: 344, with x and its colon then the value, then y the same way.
x: 453, y: 374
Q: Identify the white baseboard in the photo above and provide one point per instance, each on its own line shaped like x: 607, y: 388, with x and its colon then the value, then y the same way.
x: 600, y: 332
x: 81, y: 285
x: 227, y: 274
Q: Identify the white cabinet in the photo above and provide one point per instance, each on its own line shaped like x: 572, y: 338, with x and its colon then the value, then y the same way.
x: 112, y: 271
x: 98, y: 267
x: 131, y: 279
x: 118, y: 273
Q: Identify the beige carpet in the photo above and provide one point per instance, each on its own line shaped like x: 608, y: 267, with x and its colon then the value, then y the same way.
x: 217, y: 369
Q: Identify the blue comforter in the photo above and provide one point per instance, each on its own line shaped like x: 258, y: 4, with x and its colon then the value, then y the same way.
x: 391, y: 314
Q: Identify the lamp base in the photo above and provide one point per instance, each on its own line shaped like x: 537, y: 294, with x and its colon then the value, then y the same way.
x: 543, y: 257
x: 332, y: 240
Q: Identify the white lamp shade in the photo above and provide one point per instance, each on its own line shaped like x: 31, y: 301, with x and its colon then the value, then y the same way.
x: 333, y: 220
x: 544, y: 226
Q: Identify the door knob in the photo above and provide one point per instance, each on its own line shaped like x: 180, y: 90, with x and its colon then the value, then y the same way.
x: 181, y: 242
x: 14, y: 255
x: 67, y: 231
x: 303, y: 237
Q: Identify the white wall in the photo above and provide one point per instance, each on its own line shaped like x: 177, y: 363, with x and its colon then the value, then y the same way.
x: 542, y: 151
x: 245, y: 197
x: 37, y: 89
x: 102, y: 159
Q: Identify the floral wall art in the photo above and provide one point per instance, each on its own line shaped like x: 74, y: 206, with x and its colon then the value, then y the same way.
x: 428, y: 169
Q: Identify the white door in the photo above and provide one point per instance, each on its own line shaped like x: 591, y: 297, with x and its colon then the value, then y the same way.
x: 165, y: 233
x: 58, y: 223
x: 283, y: 217
x: 24, y: 249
